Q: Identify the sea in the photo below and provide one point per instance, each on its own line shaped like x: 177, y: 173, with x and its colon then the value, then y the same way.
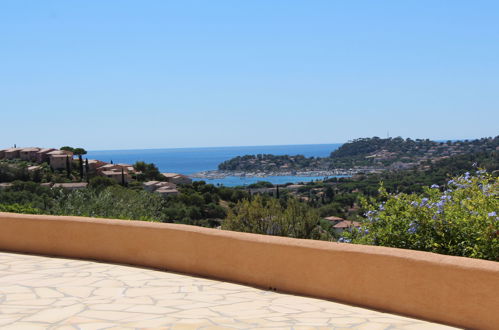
x: 192, y: 160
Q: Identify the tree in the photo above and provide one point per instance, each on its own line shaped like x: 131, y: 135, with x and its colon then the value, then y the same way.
x: 80, y: 165
x: 101, y: 182
x: 67, y: 148
x: 68, y: 168
x: 79, y: 151
x: 87, y: 169
x: 267, y: 216
x: 148, y: 171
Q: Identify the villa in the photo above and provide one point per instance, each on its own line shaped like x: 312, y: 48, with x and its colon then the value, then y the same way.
x: 177, y: 178
x: 71, y: 185
x: 344, y: 225
x: 42, y: 155
x: 117, y: 176
x: 160, y: 187
x: 12, y: 153
x: 59, y: 161
x: 28, y: 154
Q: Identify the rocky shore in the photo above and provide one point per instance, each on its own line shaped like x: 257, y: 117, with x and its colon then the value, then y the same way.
x: 218, y: 174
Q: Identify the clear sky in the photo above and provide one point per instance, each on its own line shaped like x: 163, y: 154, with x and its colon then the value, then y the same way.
x: 119, y: 74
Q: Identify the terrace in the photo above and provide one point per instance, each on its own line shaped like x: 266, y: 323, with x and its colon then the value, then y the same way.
x: 245, y: 280
x: 43, y: 292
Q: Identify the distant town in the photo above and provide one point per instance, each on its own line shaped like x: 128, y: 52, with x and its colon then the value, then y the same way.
x: 364, y: 155
x: 61, y: 161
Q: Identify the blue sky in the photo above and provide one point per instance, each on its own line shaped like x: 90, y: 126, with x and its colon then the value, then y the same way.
x: 151, y: 74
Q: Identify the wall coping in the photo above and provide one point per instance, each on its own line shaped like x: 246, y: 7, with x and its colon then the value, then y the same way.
x: 453, y: 290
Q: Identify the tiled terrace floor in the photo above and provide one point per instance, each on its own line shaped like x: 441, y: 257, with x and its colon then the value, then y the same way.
x: 53, y: 293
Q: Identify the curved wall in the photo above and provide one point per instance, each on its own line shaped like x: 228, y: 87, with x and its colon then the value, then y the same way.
x: 453, y: 290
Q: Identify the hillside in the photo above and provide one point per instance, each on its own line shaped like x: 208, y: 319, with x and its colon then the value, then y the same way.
x: 364, y: 153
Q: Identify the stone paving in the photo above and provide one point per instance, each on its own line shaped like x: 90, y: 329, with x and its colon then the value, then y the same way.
x: 55, y: 293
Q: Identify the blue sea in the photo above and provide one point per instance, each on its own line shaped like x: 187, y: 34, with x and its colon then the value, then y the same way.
x: 192, y: 160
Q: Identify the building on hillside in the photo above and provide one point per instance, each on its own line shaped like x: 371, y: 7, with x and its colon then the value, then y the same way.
x: 43, y: 155
x: 344, y: 225
x: 150, y: 185
x: 94, y: 164
x: 117, y: 176
x: 57, y: 159
x: 334, y: 220
x: 5, y: 185
x: 34, y: 168
x: 71, y: 185
x: 166, y: 191
x: 2, y: 153
x: 177, y: 178
x: 153, y: 186
x: 115, y: 167
x: 59, y: 162
x: 12, y: 153
x: 28, y: 154
x: 127, y: 167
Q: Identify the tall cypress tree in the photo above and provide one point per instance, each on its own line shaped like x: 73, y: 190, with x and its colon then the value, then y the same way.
x: 87, y: 169
x: 122, y: 177
x: 68, y: 168
x: 80, y: 160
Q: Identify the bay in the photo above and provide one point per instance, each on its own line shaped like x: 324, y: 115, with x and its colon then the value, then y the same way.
x: 192, y: 160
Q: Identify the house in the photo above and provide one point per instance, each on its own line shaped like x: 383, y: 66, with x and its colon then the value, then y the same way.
x: 2, y: 153
x: 71, y: 185
x: 28, y: 154
x: 156, y: 185
x: 34, y: 168
x: 5, y: 185
x: 344, y: 225
x: 12, y: 153
x: 93, y: 164
x: 165, y: 191
x: 59, y: 162
x: 57, y: 159
x: 177, y: 178
x: 117, y: 176
x: 150, y: 185
x: 127, y: 167
x: 334, y: 220
x: 42, y: 155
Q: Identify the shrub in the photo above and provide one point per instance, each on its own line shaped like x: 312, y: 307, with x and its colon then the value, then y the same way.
x: 269, y: 217
x: 460, y: 220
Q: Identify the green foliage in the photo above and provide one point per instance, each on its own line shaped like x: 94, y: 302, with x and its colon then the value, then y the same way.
x: 28, y: 194
x: 101, y: 182
x: 18, y: 208
x: 148, y: 172
x: 111, y: 202
x: 261, y: 184
x: 268, y: 216
x: 79, y: 151
x: 67, y: 148
x: 364, y: 152
x: 461, y: 220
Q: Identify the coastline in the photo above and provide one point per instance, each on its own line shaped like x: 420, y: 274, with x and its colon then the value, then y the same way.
x: 220, y: 174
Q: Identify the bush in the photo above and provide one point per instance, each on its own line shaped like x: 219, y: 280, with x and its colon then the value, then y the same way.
x: 460, y: 220
x: 268, y: 217
x: 17, y: 208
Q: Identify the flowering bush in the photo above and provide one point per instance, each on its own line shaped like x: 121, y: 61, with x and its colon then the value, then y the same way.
x: 459, y: 219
